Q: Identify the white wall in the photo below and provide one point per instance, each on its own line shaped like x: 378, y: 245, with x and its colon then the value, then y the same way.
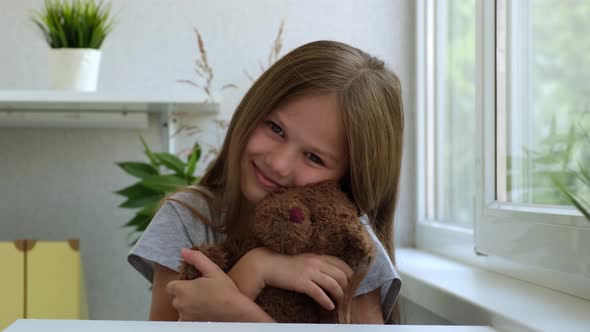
x: 58, y: 183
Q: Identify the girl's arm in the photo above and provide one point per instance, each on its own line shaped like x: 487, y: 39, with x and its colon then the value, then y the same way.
x: 307, y: 274
x: 313, y: 275
x: 213, y: 297
x: 161, y: 308
x: 366, y: 308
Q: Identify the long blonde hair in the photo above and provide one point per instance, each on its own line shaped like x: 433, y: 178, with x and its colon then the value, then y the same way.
x: 370, y: 102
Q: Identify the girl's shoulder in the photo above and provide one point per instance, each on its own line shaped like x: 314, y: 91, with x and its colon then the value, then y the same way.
x: 181, y: 222
x: 193, y: 195
x: 193, y: 206
x: 192, y: 202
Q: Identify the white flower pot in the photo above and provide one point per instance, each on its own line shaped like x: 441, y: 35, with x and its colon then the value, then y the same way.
x: 74, y: 68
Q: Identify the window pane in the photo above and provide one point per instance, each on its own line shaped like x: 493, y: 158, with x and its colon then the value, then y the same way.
x: 547, y: 101
x: 455, y: 114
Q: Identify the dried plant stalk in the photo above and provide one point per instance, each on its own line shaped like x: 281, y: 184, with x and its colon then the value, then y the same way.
x: 274, y: 53
x: 204, y: 70
x: 277, y: 45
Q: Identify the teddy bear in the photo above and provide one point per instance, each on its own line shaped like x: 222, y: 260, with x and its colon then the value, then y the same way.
x: 319, y: 219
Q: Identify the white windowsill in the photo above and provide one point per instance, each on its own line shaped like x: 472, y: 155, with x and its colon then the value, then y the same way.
x: 467, y: 295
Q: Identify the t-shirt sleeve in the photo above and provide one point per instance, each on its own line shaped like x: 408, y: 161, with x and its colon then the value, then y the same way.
x: 160, y: 243
x: 173, y: 227
x: 382, y: 274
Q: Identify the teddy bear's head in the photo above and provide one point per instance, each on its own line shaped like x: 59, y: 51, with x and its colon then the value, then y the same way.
x: 319, y: 218
x: 282, y: 221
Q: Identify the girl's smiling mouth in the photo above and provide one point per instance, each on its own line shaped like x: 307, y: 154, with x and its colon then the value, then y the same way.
x: 264, y: 180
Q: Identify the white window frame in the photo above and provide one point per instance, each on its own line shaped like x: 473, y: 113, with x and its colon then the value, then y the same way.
x: 546, y: 245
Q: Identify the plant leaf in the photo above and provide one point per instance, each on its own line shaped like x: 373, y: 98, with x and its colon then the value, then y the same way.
x: 137, y: 220
x: 164, y: 183
x: 584, y: 175
x: 171, y: 161
x: 75, y: 23
x: 192, y: 162
x: 149, y: 210
x: 136, y: 190
x: 138, y: 169
x: 149, y: 153
x: 141, y: 201
x: 585, y: 211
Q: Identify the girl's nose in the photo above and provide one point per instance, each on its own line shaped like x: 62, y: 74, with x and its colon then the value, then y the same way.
x: 281, y: 162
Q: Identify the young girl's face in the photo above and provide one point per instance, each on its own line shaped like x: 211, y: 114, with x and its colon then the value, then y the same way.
x: 298, y: 144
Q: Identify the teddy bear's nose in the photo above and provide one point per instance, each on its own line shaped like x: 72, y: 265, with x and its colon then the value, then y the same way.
x: 296, y: 215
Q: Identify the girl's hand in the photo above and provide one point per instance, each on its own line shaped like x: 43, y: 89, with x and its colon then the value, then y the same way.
x: 213, y: 297
x: 314, y: 275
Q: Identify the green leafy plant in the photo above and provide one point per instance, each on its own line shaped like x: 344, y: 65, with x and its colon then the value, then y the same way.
x: 574, y: 184
x: 580, y: 203
x: 162, y: 175
x: 563, y: 163
x: 74, y: 23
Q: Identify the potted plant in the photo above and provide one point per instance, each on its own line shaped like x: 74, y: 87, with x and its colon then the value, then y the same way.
x: 164, y: 174
x: 74, y: 31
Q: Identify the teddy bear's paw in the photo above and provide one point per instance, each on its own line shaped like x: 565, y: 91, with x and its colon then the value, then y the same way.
x: 188, y: 272
x: 217, y: 254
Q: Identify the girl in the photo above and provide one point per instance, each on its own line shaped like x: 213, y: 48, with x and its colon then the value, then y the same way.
x: 325, y: 111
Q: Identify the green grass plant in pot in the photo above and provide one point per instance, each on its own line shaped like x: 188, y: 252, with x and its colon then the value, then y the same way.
x: 75, y: 31
x: 163, y: 174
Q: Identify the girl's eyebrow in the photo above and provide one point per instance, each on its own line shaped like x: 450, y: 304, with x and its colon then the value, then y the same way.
x: 285, y: 128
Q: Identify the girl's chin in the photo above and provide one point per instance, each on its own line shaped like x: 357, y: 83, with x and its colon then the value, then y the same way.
x: 255, y: 195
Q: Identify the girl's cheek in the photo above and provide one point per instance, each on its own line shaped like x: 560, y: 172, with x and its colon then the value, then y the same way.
x: 305, y: 175
x: 257, y: 140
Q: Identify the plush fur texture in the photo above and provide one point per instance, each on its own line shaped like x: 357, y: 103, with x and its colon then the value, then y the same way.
x: 316, y: 219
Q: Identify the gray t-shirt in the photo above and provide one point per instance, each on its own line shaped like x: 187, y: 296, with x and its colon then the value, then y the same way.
x: 174, y: 227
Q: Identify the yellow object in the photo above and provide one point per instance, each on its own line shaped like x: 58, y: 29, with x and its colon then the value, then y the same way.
x: 42, y: 280
x: 12, y: 284
x: 53, y: 281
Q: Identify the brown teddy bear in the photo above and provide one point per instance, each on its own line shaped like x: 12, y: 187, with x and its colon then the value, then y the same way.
x: 318, y: 219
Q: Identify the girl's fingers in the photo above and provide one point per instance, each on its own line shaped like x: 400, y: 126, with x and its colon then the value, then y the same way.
x: 171, y: 287
x: 330, y: 285
x: 337, y: 274
x: 339, y: 264
x: 317, y: 294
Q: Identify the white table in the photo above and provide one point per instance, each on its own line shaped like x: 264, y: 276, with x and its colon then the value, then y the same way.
x: 46, y: 325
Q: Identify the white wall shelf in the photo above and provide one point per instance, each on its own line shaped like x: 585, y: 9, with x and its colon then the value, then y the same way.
x: 125, y: 109
x: 141, y: 101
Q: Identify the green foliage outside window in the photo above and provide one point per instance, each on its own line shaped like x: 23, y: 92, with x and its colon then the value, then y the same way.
x: 562, y: 167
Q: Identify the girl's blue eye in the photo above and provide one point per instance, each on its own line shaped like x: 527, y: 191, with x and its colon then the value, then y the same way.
x: 314, y: 158
x: 275, y: 128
